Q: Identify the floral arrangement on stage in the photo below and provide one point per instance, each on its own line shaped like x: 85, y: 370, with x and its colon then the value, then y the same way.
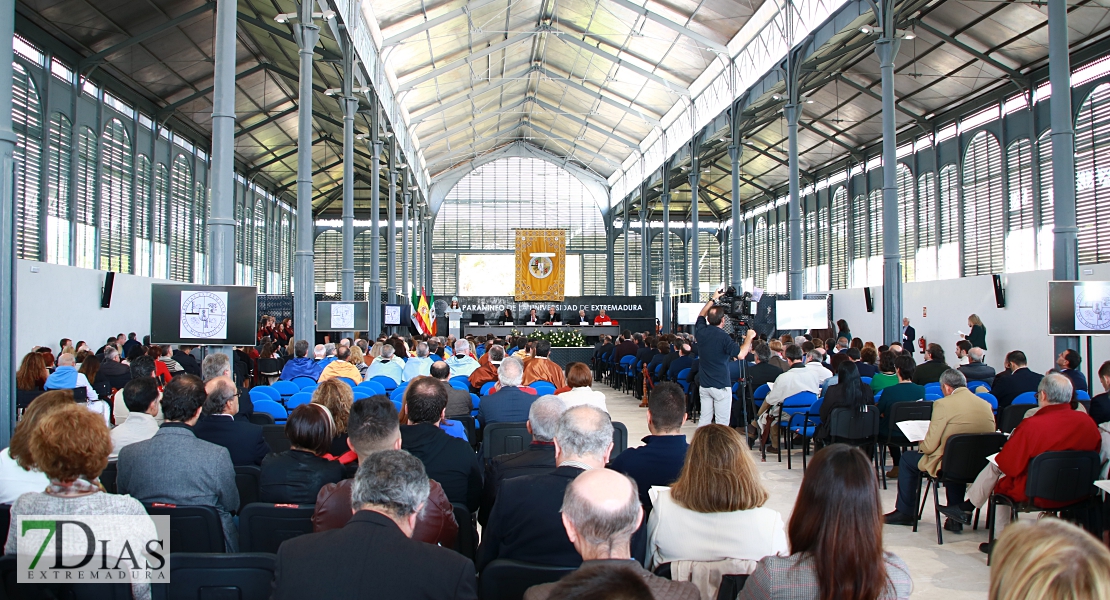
x: 559, y: 338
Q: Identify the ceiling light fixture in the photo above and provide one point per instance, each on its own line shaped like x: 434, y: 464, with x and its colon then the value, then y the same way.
x: 865, y: 30
x: 284, y: 18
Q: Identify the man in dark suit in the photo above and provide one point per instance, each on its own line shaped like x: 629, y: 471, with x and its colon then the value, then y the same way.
x: 625, y: 347
x: 1019, y: 381
x: 217, y: 364
x: 660, y: 459
x: 552, y: 317
x: 909, y: 336
x: 509, y: 404
x: 219, y: 426
x: 183, y: 356
x: 976, y: 369
x: 449, y: 460
x: 682, y: 361
x: 112, y: 371
x: 525, y: 524
x: 1067, y: 363
x: 538, y: 458
x: 373, y: 554
x: 930, y: 370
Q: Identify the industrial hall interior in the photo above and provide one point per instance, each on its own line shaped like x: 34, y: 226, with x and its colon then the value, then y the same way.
x: 529, y: 299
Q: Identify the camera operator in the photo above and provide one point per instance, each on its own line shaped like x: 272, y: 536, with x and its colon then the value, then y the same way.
x: 715, y: 349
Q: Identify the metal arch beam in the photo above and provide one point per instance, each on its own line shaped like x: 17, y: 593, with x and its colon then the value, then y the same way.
x: 280, y: 157
x: 871, y: 93
x: 208, y: 90
x: 669, y: 24
x: 435, y: 109
x: 574, y: 146
x: 599, y: 96
x: 267, y: 121
x: 968, y: 49
x: 471, y: 123
x: 138, y: 39
x: 827, y: 137
x: 393, y: 40
x: 573, y: 40
x: 480, y: 140
x: 609, y: 134
x: 283, y: 34
x: 466, y: 60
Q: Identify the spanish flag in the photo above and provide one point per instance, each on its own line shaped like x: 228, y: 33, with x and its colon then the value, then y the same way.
x: 423, y: 313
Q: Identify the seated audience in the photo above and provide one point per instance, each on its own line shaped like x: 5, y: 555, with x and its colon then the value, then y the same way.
x: 509, y: 404
x: 539, y: 457
x: 90, y: 367
x: 419, y: 365
x: 762, y: 371
x: 341, y: 367
x: 1100, y: 404
x: 458, y: 401
x: 114, y: 372
x: 142, y: 397
x: 337, y: 397
x: 1049, y: 559
x: 904, y: 391
x: 176, y: 467
x: 18, y: 473
x: 976, y: 369
x: 218, y: 364
x: 358, y: 359
x: 487, y: 372
x: 1067, y: 363
x: 373, y: 428
x: 659, y: 461
x: 794, y: 380
x: 32, y: 373
x: 66, y: 377
x: 71, y: 446
x: 580, y: 380
x: 525, y: 524
x: 374, y: 553
x: 184, y: 357
x: 1019, y: 381
x: 663, y: 350
x: 836, y: 538
x: 959, y: 411
x: 601, y: 511
x: 300, y: 365
x: 161, y: 371
x: 887, y: 375
x: 462, y: 364
x: 683, y: 360
x: 218, y: 425
x: 447, y: 459
x: 141, y: 366
x: 848, y: 392
x: 714, y: 511
x: 1054, y: 428
x: 930, y: 370
x: 542, y: 368
x: 171, y: 364
x: 296, y: 475
x: 962, y: 348
x: 387, y: 365
x: 866, y: 362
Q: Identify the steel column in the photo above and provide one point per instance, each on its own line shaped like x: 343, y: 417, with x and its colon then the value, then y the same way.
x: 406, y: 197
x: 734, y: 152
x: 221, y: 222
x: 350, y: 106
x: 1065, y: 247
x: 391, y: 228
x: 796, y: 281
x: 304, y: 301
x: 695, y: 255
x: 887, y: 49
x: 645, y: 256
x: 375, y: 295
x: 627, y: 201
x: 610, y: 248
x: 666, y: 267
x: 7, y: 222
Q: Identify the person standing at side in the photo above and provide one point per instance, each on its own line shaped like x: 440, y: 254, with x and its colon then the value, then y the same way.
x: 716, y: 348
x: 978, y: 334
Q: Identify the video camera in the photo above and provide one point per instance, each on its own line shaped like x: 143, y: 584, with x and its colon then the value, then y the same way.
x: 736, y: 306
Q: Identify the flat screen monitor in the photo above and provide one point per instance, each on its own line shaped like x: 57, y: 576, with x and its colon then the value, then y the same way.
x: 801, y: 314
x: 217, y: 315
x: 393, y: 314
x: 688, y: 312
x: 1079, y: 308
x: 343, y: 315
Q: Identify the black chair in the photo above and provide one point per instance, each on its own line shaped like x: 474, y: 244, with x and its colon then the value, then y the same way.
x: 192, y: 528
x: 466, y: 543
x: 1012, y: 416
x: 856, y: 427
x: 730, y: 588
x: 270, y: 368
x: 5, y: 517
x: 620, y: 439
x: 1063, y: 479
x: 264, y: 526
x: 11, y: 590
x: 275, y: 437
x: 504, y: 438
x: 965, y: 455
x: 261, y: 418
x: 247, y: 480
x: 108, y: 477
x: 508, y: 579
x: 471, y: 431
x: 23, y: 398
x: 242, y: 576
x: 902, y: 411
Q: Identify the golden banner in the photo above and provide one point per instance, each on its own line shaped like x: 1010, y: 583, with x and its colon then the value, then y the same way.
x: 541, y: 264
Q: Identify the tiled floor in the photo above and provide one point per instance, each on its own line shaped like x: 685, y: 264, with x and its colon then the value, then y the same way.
x: 953, y: 571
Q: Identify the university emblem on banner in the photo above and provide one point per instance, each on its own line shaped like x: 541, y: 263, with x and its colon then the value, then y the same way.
x: 540, y: 264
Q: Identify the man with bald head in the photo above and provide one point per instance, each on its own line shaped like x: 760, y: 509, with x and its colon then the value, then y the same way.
x: 976, y: 369
x: 601, y: 510
x: 218, y: 425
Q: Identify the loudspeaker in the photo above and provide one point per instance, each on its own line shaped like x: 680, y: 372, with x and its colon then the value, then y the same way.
x: 999, y: 293
x: 867, y: 299
x: 106, y: 293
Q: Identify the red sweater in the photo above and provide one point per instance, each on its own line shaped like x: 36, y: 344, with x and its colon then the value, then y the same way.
x: 1055, y: 428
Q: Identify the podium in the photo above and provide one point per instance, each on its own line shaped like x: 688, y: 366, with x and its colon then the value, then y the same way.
x: 454, y: 322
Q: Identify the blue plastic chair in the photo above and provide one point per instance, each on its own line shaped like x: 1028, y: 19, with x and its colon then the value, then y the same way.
x: 878, y: 394
x: 310, y: 388
x: 459, y: 386
x: 258, y: 395
x: 486, y: 387
x: 932, y: 397
x: 1082, y: 395
x: 271, y: 408
x: 462, y: 380
x: 285, y: 388
x: 806, y: 429
x: 396, y: 404
x: 454, y: 429
x: 270, y: 392
x: 397, y: 395
x: 360, y: 395
x: 990, y: 399
x: 682, y: 375
x: 933, y: 388
x: 348, y: 381
x: 974, y: 385
x: 298, y: 399
x: 543, y: 388
x: 371, y: 387
x: 1026, y: 398
x: 760, y: 394
x: 865, y: 380
x: 475, y: 401
x: 302, y: 381
x: 387, y: 383
x: 624, y: 368
x: 794, y: 408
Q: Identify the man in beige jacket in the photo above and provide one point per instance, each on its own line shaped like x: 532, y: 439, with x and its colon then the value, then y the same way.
x: 959, y: 411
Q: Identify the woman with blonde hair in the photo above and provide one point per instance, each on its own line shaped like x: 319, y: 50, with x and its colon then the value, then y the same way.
x: 375, y: 352
x: 1049, y: 559
x: 18, y: 474
x: 337, y: 397
x: 358, y: 360
x: 978, y: 334
x: 714, y: 510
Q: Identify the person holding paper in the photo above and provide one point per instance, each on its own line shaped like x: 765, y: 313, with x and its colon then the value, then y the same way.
x: 959, y: 411
x: 903, y: 391
x: 1054, y: 428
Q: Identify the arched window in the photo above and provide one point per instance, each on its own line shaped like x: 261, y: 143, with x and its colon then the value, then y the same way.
x: 287, y: 219
x: 1021, y: 237
x: 242, y: 196
x: 27, y: 123
x: 858, y: 227
x: 948, y: 257
x: 160, y: 220
x: 328, y: 261
x: 181, y: 220
x: 86, y: 198
x: 1092, y: 176
x: 983, y: 206
x: 907, y: 223
x: 710, y: 267
x: 823, y: 248
x: 116, y: 179
x: 926, y: 256
x: 875, y: 237
x: 200, y: 234
x: 631, y: 247
x: 259, y: 251
x: 1044, y: 231
x: 809, y: 252
x: 840, y: 257
x: 363, y: 241
x: 677, y: 265
x: 760, y: 251
x: 59, y: 148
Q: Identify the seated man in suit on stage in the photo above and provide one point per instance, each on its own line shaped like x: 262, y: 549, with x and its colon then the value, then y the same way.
x: 525, y: 524
x: 604, y: 319
x: 552, y: 317
x: 581, y: 319
x: 541, y: 367
x: 538, y: 457
x: 509, y: 404
x: 375, y: 550
x: 219, y: 426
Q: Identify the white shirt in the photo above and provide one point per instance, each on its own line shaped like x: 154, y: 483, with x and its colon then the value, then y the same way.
x: 15, y: 481
x: 137, y: 427
x: 678, y: 533
x: 819, y: 371
x: 793, y: 381
x: 583, y: 395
